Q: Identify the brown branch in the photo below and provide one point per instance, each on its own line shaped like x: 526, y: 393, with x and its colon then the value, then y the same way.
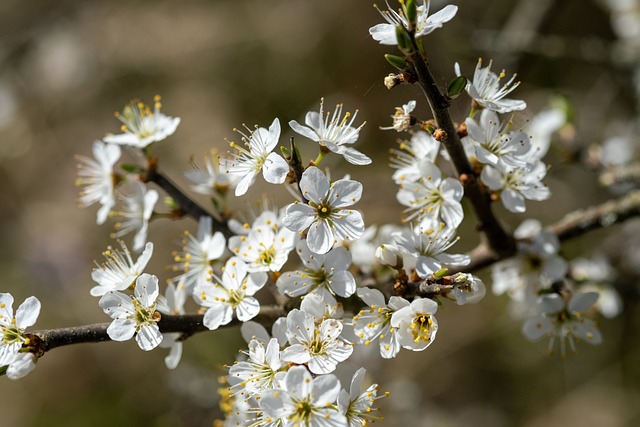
x: 621, y: 174
x: 501, y: 242
x: 188, y: 324
x: 187, y: 205
x: 572, y: 225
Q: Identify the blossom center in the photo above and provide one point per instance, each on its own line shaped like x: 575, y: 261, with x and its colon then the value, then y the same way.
x: 324, y: 210
x: 268, y: 255
x: 12, y: 335
x: 302, y: 412
x: 422, y: 328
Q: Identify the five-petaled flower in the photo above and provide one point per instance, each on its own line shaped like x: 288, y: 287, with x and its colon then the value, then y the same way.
x: 324, y: 215
x: 135, y: 315
x: 334, y: 132
x: 385, y: 33
x: 234, y: 292
x: 485, y: 89
x: 12, y: 335
x: 258, y: 156
x: 415, y: 324
x: 141, y: 125
x: 97, y: 178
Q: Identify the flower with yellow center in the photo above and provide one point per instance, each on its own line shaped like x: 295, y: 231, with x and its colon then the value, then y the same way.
x: 324, y: 214
x: 234, y: 292
x: 415, y: 324
x: 142, y: 125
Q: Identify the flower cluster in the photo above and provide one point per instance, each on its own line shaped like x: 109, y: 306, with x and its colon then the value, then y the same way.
x: 324, y: 300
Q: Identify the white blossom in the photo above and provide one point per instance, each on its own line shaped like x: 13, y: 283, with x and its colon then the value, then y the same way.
x: 133, y: 211
x: 198, y: 254
x: 324, y: 215
x: 322, y: 272
x: 385, y: 33
x: 427, y: 247
x: 265, y: 248
x: 433, y: 198
x: 334, y: 132
x: 318, y: 346
x: 467, y: 289
x: 415, y: 324
x: 493, y: 144
x: 212, y: 180
x: 375, y: 322
x: 402, y: 119
x: 515, y: 184
x: 563, y: 321
x: 19, y: 365
x: 119, y: 271
x: 421, y: 148
x: 257, y: 156
x: 536, y: 266
x: 541, y: 127
x: 97, y: 178
x: 596, y: 274
x: 135, y: 315
x: 303, y: 401
x: 485, y: 89
x: 143, y: 126
x: 175, y: 297
x: 357, y: 404
x: 12, y: 328
x: 263, y: 369
x: 234, y: 292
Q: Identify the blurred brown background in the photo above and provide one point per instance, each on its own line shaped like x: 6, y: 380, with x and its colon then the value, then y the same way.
x: 66, y: 66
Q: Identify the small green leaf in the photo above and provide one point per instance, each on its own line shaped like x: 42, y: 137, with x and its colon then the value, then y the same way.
x: 396, y: 61
x: 456, y: 86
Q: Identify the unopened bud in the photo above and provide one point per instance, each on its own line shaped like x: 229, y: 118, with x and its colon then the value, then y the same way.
x: 389, y: 255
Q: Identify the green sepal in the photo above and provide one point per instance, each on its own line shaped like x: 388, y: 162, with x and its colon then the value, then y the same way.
x: 404, y: 41
x: 129, y: 168
x: 456, y: 87
x: 171, y: 203
x: 411, y: 12
x: 285, y: 152
x: 441, y: 273
x: 397, y: 61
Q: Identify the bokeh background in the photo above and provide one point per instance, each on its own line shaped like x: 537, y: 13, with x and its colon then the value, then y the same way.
x: 66, y: 66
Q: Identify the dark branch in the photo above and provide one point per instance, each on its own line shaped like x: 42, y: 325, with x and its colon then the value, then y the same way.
x: 187, y: 205
x: 572, y: 225
x: 188, y: 324
x: 498, y: 239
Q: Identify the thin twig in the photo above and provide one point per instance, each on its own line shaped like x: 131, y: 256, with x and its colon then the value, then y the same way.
x: 187, y: 205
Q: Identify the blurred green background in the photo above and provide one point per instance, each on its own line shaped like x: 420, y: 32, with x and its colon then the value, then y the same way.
x: 66, y: 66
